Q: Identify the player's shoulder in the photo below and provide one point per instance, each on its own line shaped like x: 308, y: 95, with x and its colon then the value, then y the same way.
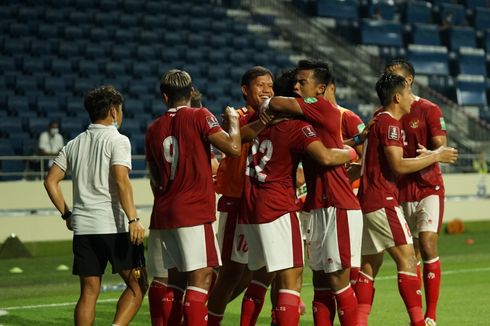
x: 424, y: 104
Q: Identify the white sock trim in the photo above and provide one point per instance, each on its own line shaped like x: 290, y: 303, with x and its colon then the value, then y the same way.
x: 175, y: 288
x: 342, y: 290
x: 214, y: 314
x: 195, y: 288
x: 259, y: 284
x: 431, y: 261
x: 159, y: 282
x: 288, y: 291
x: 408, y: 273
x: 369, y: 277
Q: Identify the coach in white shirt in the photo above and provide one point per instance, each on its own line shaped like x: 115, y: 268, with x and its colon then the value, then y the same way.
x: 99, y: 161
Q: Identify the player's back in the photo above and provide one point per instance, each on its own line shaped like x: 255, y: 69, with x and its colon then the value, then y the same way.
x: 378, y: 182
x: 177, y: 143
x: 273, y: 158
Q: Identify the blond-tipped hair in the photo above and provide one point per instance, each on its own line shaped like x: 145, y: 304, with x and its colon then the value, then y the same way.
x: 176, y: 84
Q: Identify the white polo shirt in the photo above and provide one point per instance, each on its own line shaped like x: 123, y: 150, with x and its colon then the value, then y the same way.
x: 89, y: 158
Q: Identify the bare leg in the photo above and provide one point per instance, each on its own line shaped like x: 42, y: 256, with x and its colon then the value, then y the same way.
x: 230, y: 276
x: 85, y: 308
x: 130, y: 300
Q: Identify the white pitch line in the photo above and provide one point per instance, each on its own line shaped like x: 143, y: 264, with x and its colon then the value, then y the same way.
x: 51, y: 305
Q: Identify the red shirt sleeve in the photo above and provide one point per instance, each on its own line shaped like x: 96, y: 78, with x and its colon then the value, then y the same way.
x: 208, y: 122
x: 390, y: 133
x: 306, y: 134
x: 351, y: 124
x: 435, y: 121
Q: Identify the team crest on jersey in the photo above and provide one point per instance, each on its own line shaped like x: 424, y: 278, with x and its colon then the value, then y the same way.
x: 414, y: 124
x: 212, y: 121
x: 308, y: 131
x: 393, y: 132
x: 310, y: 100
x: 443, y: 123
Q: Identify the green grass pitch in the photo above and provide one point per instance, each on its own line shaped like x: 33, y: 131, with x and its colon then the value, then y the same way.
x: 41, y: 295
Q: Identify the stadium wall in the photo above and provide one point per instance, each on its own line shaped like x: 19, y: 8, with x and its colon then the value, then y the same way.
x: 26, y: 210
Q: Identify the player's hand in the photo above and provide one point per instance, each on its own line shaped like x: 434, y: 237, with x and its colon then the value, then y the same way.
x: 447, y: 154
x: 136, y: 232
x: 423, y: 151
x: 266, y: 117
x: 231, y: 113
x: 68, y: 224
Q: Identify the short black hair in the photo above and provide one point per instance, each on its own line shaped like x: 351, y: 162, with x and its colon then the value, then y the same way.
x: 387, y: 85
x: 176, y: 84
x: 321, y: 71
x: 284, y: 84
x: 100, y: 100
x: 402, y: 63
x: 253, y: 73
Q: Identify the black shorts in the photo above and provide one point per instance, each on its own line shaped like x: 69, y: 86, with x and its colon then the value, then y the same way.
x: 93, y: 251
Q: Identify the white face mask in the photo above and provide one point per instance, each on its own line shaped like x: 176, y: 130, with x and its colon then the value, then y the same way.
x: 54, y: 131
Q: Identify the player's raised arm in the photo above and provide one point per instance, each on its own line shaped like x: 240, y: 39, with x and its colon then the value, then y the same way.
x: 228, y: 142
x: 400, y: 165
x: 280, y: 104
x: 330, y: 156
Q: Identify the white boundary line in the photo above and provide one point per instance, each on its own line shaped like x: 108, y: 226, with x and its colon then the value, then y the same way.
x: 382, y: 278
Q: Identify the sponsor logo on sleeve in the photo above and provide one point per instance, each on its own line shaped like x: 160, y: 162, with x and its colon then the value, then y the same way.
x: 308, y: 131
x: 393, y: 132
x: 310, y: 100
x: 360, y: 127
x: 443, y: 123
x: 212, y: 121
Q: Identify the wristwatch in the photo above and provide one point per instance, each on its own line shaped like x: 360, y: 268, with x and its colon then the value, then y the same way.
x: 66, y: 215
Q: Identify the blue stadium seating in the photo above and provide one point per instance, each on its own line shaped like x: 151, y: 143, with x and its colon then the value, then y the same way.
x: 486, y: 41
x: 338, y: 9
x: 425, y: 34
x: 470, y: 90
x: 386, y: 9
x: 472, y: 61
x: 429, y: 60
x: 382, y: 33
x: 482, y: 18
x: 461, y: 37
x: 476, y: 3
x: 459, y: 15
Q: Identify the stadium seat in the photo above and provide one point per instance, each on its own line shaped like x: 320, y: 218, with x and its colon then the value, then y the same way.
x: 25, y: 84
x: 429, y: 60
x: 48, y: 31
x: 471, y: 4
x: 18, y: 103
x: 61, y: 67
x: 36, y: 126
x: 425, y: 34
x: 482, y: 18
x: 13, y: 168
x: 134, y: 108
x: 470, y: 90
x: 145, y: 53
x: 486, y: 41
x: 82, y: 86
x: 386, y: 9
x: 459, y: 15
x: 10, y: 125
x: 48, y: 103
x: 16, y: 30
x: 40, y: 48
x: 88, y: 68
x: 472, y: 61
x: 418, y: 12
x: 461, y: 37
x: 55, y: 85
x: 96, y: 50
x: 382, y: 33
x: 73, y: 33
x: 338, y: 9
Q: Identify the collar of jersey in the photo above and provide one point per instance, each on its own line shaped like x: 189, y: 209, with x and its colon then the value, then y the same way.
x: 172, y: 110
x: 99, y: 126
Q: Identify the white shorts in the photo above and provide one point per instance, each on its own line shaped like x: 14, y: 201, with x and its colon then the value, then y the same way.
x: 154, y: 263
x: 305, y: 218
x: 231, y: 239
x: 276, y: 245
x: 190, y: 248
x: 335, y: 242
x: 425, y: 215
x: 383, y: 229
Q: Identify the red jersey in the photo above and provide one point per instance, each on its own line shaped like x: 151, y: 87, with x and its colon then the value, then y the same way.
x: 351, y: 123
x: 270, y: 185
x: 230, y: 176
x: 327, y: 185
x: 177, y: 143
x: 424, y: 122
x: 378, y: 187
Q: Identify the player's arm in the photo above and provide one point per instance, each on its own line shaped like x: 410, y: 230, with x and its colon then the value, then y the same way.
x: 155, y: 178
x: 439, y: 141
x: 253, y: 129
x: 125, y: 191
x: 394, y: 155
x: 330, y: 156
x: 52, y: 186
x: 300, y: 176
x: 280, y: 104
x: 228, y: 142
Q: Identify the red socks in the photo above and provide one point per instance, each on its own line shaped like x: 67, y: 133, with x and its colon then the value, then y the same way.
x: 324, y: 307
x: 408, y: 286
x: 214, y: 320
x: 347, y: 306
x: 195, y: 310
x: 365, y: 298
x: 287, y: 308
x: 432, y: 285
x: 354, y: 275
x: 252, y: 303
x: 172, y: 305
x: 155, y: 297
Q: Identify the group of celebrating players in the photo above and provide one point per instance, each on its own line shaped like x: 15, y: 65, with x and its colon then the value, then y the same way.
x: 290, y: 129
